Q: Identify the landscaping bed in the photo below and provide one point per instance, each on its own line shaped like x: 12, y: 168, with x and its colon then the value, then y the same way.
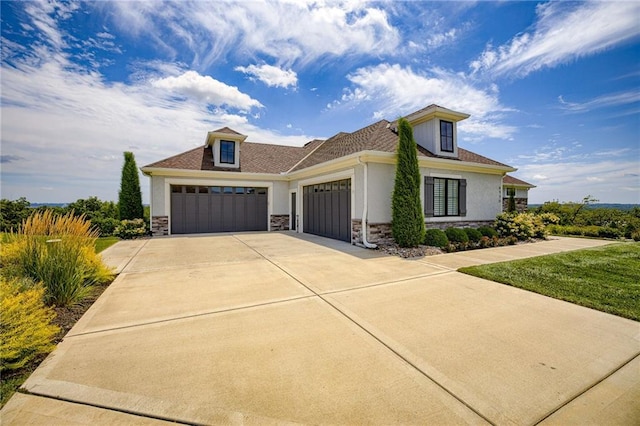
x: 66, y: 317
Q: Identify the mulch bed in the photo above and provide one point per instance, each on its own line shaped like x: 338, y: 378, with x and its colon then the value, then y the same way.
x: 408, y: 253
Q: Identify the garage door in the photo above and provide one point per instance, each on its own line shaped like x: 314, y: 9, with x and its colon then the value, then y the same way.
x: 198, y: 209
x: 327, y: 209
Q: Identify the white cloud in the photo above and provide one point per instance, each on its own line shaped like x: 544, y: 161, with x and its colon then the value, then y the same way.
x: 394, y: 90
x: 69, y: 129
x: 564, y: 31
x: 604, y: 101
x: 289, y: 31
x: 607, y: 180
x: 271, y: 76
x: 207, y: 89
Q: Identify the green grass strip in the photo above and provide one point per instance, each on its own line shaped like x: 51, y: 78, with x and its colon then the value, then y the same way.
x: 604, y: 278
x: 103, y: 243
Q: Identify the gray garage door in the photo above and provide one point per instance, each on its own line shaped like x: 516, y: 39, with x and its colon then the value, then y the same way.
x: 198, y: 209
x: 327, y: 209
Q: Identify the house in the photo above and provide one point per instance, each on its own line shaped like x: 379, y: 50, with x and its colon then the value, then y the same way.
x: 327, y: 187
x: 519, y: 189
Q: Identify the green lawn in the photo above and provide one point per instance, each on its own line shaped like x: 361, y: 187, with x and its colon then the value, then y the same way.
x: 605, y: 278
x: 104, y: 242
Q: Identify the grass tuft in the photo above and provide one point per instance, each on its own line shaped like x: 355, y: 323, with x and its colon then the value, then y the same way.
x: 604, y: 278
x: 58, y: 251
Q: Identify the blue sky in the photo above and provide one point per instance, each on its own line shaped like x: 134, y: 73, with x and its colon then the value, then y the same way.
x: 552, y: 88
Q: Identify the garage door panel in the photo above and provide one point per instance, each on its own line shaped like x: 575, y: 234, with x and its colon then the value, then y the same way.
x: 327, y: 209
x: 199, y: 209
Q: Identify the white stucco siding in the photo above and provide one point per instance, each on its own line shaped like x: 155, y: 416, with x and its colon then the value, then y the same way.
x: 157, y: 196
x: 381, y: 180
x: 280, y: 198
x: 484, y: 197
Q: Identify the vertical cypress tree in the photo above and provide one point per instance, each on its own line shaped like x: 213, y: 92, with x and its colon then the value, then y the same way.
x: 130, y: 197
x: 511, y: 204
x: 407, y: 224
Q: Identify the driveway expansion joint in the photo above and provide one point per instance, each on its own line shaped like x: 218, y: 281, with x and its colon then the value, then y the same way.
x: 108, y: 408
x: 586, y: 389
x: 376, y: 338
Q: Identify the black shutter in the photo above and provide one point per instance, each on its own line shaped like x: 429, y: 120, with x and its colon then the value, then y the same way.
x: 462, y: 201
x: 428, y: 196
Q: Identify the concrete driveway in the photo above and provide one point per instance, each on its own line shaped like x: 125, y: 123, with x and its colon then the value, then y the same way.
x: 275, y: 328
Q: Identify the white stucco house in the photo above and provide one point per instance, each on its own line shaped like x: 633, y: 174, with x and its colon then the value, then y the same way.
x: 331, y: 187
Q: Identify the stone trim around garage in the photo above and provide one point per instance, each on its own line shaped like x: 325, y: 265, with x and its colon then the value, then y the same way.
x: 159, y: 226
x: 279, y: 222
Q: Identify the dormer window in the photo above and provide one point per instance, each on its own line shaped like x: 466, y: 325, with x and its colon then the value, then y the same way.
x: 227, y: 152
x: 446, y: 136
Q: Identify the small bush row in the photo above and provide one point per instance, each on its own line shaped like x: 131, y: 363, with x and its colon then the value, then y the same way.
x: 591, y: 231
x: 459, y: 239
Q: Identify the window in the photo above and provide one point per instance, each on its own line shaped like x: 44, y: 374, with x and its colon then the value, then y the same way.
x: 446, y: 136
x: 510, y: 191
x: 445, y: 197
x: 227, y: 152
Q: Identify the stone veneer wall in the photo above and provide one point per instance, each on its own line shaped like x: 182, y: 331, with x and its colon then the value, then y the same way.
x: 466, y: 224
x: 381, y: 232
x: 279, y: 222
x: 159, y: 225
x: 376, y: 232
x: 521, y: 204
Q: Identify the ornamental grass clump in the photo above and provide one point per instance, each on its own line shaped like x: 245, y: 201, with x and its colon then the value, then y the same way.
x: 59, y: 252
x: 25, y: 324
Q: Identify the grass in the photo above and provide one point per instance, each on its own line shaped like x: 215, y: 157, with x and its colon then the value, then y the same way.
x: 605, y: 278
x: 103, y: 243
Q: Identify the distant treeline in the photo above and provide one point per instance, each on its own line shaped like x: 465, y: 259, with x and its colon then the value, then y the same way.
x: 623, y: 207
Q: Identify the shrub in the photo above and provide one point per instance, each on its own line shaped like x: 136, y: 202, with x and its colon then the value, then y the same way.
x: 456, y: 235
x: 636, y: 236
x: 59, y: 252
x: 25, y: 325
x: 488, y: 231
x: 129, y: 229
x: 105, y: 226
x: 436, y: 238
x: 523, y: 226
x: 473, y: 234
x: 606, y: 232
x: 549, y: 219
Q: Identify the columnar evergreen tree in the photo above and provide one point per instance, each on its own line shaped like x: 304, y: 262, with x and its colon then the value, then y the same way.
x: 130, y: 197
x: 407, y: 224
x: 511, y: 204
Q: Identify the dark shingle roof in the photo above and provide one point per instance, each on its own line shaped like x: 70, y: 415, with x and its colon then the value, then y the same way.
x: 510, y: 180
x: 377, y: 137
x: 266, y: 158
x: 254, y: 158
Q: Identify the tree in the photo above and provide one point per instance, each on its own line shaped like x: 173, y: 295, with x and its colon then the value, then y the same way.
x: 511, y: 204
x: 12, y: 213
x: 407, y: 224
x: 130, y: 197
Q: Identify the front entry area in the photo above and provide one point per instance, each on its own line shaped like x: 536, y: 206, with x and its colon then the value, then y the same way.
x: 205, y: 209
x: 327, y: 209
